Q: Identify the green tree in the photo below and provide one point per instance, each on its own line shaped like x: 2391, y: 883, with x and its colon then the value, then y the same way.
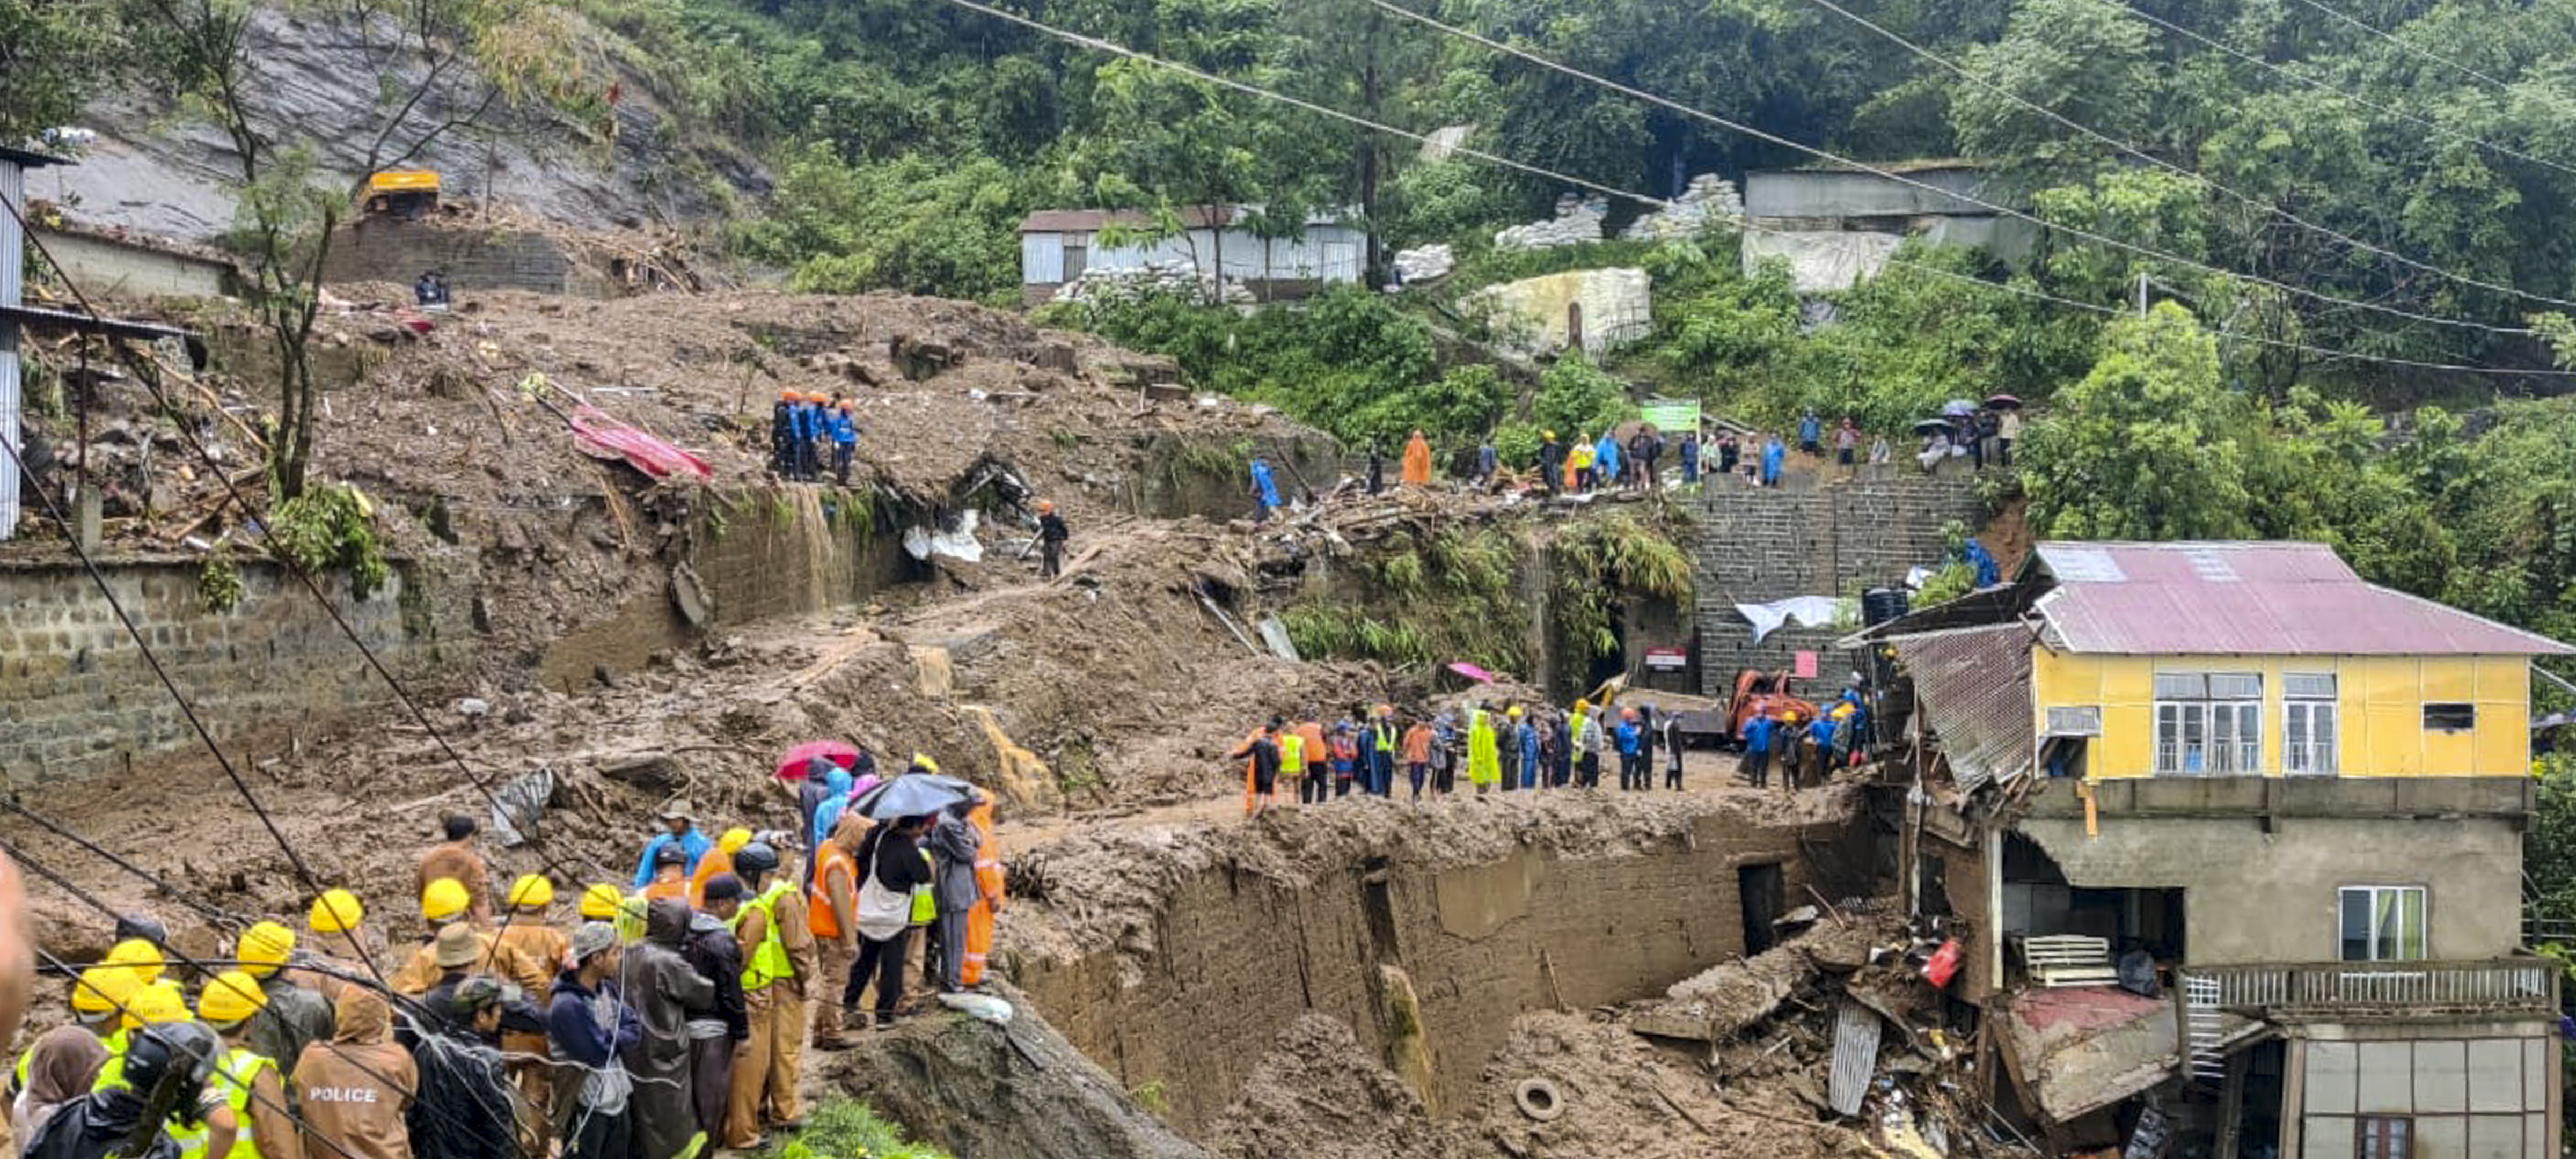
x: 2091, y: 62
x: 912, y: 224
x: 2146, y: 446
x: 53, y: 55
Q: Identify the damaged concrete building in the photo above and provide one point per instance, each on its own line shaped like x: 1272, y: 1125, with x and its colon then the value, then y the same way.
x: 2231, y: 841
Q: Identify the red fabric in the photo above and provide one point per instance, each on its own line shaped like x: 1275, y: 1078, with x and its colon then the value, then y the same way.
x: 600, y: 436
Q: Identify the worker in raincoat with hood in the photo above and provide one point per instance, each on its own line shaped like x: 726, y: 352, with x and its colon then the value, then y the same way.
x: 665, y: 993
x: 1417, y: 461
x: 1484, y: 758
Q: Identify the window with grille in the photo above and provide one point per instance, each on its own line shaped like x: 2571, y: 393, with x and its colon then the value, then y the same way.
x: 2384, y: 1137
x: 2209, y: 722
x: 2308, y: 723
x: 2383, y: 923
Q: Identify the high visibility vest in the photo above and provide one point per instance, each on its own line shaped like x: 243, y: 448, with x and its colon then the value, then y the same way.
x: 818, y: 905
x: 234, y: 1075
x: 767, y: 962
x: 111, y: 1073
x: 1574, y: 735
x: 1292, y: 752
x: 925, y: 898
x: 1385, y: 736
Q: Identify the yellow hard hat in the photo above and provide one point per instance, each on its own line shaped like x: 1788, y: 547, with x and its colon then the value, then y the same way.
x: 1582, y: 706
x: 264, y: 947
x: 445, y: 898
x: 101, y: 990
x: 532, y: 891
x: 140, y: 958
x: 335, y: 912
x: 155, y: 1005
x: 599, y: 902
x: 231, y: 996
x: 927, y: 765
x: 733, y: 840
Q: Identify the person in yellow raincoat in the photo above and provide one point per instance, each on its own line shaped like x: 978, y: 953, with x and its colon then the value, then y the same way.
x: 1417, y: 461
x: 1484, y: 760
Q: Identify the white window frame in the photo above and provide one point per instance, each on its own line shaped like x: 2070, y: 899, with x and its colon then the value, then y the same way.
x: 2308, y: 709
x: 2229, y: 727
x: 2371, y: 896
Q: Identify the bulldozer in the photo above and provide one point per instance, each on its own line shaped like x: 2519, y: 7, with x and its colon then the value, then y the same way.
x: 408, y: 194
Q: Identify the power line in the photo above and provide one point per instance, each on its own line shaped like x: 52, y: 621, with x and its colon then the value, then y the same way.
x: 151, y: 379
x: 1649, y: 200
x: 2178, y: 170
x: 1891, y: 175
x: 2409, y: 49
x: 216, y: 913
x: 2350, y: 97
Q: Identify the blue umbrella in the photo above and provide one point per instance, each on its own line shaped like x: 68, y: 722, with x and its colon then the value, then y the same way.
x: 912, y: 795
x: 1959, y: 406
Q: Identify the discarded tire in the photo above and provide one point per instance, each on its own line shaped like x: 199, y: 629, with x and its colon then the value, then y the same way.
x: 1538, y: 1099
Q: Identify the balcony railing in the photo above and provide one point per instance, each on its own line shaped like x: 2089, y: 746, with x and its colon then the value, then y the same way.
x: 2362, y: 989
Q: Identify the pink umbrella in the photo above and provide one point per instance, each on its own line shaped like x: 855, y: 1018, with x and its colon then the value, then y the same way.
x: 791, y: 767
x: 1472, y: 672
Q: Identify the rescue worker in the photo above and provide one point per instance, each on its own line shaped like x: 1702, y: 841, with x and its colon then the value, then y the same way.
x: 524, y: 1049
x: 1052, y: 534
x: 590, y: 1026
x: 339, y: 949
x: 1821, y: 735
x: 1587, y: 746
x: 456, y: 860
x: 1605, y: 460
x: 1507, y: 748
x: 1672, y: 729
x: 1628, y: 738
x: 1646, y: 746
x: 1260, y: 756
x: 779, y: 967
x: 1307, y: 756
x: 1484, y: 764
x: 444, y: 906
x: 892, y: 860
x: 1756, y: 768
x: 1379, y: 747
x: 1580, y: 475
x: 990, y: 894
x: 1525, y: 737
x: 463, y: 1110
x: 1417, y: 460
x: 954, y: 843
x: 177, y: 1058
x: 1349, y: 765
x: 1559, y: 743
x: 1784, y: 750
x: 1551, y: 462
x: 158, y: 1004
x: 714, y: 1036
x: 1417, y: 755
x: 289, y: 1017
x: 670, y: 875
x: 64, y: 1063
x: 833, y: 913
x: 599, y: 902
x: 254, y: 1111
x: 665, y: 993
x: 718, y: 860
x: 355, y: 1091
x: 782, y: 434
x: 138, y: 958
x: 809, y: 427
x: 1265, y: 491
x: 680, y: 829
x: 842, y: 423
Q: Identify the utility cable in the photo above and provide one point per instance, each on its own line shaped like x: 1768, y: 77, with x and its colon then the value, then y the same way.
x: 2195, y: 176
x: 151, y: 379
x: 1651, y: 201
x: 2406, y: 48
x: 2353, y: 98
x: 1902, y: 179
x: 215, y: 913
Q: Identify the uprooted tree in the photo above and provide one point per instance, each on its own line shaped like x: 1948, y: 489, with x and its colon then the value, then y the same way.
x: 424, y: 55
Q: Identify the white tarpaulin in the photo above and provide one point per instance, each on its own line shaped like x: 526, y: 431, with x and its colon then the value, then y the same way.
x: 922, y: 542
x: 1809, y: 611
x: 1822, y: 260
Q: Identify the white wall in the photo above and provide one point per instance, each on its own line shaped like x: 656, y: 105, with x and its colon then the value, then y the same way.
x: 1328, y: 253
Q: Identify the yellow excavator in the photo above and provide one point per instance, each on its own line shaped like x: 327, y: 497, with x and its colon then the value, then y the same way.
x: 410, y: 194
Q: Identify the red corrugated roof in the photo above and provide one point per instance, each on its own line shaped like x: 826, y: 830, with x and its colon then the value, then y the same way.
x: 2275, y: 599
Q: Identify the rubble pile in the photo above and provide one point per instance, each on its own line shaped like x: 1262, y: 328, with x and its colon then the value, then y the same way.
x: 1579, y: 219
x: 1171, y: 277
x: 1708, y: 198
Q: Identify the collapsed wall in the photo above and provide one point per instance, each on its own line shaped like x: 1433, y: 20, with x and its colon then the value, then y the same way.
x: 1159, y: 952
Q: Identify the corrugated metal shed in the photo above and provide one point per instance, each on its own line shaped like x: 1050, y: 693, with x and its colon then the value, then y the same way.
x: 1974, y: 688
x: 2275, y: 599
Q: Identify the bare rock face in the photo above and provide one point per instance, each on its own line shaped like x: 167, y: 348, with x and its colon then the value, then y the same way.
x: 974, y: 1089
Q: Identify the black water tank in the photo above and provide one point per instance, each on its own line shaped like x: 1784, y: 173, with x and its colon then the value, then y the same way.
x: 1879, y: 605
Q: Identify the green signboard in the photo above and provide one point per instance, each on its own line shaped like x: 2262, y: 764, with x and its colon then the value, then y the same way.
x: 1671, y: 414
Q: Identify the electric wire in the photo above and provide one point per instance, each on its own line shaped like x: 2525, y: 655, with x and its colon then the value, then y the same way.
x: 1651, y: 201
x: 151, y: 380
x: 1902, y: 179
x: 2406, y: 48
x: 2200, y: 178
x: 2350, y: 97
x: 215, y: 913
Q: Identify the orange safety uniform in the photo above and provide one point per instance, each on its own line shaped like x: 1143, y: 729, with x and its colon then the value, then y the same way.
x: 818, y: 912
x: 1417, y: 461
x: 676, y: 889
x: 989, y: 897
x: 714, y: 861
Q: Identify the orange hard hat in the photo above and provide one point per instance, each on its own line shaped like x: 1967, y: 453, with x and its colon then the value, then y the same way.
x: 849, y: 404
x: 1046, y: 505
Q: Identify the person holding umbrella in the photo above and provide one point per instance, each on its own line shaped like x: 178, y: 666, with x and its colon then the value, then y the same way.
x: 895, y: 866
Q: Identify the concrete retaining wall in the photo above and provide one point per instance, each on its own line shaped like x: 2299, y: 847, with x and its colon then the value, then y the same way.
x: 112, y: 267
x: 380, y: 249
x: 77, y: 699
x: 1811, y: 537
x: 1236, y: 957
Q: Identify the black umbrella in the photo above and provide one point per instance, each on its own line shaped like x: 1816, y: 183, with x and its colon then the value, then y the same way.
x: 2003, y: 402
x: 911, y: 795
x: 1927, y: 426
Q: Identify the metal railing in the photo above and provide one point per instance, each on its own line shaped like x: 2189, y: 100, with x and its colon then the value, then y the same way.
x: 2517, y: 985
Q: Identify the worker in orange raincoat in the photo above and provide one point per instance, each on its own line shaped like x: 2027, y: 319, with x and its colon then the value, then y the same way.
x: 989, y: 895
x: 1417, y: 461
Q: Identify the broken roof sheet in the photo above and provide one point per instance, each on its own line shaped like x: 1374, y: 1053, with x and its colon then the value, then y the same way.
x: 2279, y: 599
x: 1973, y: 685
